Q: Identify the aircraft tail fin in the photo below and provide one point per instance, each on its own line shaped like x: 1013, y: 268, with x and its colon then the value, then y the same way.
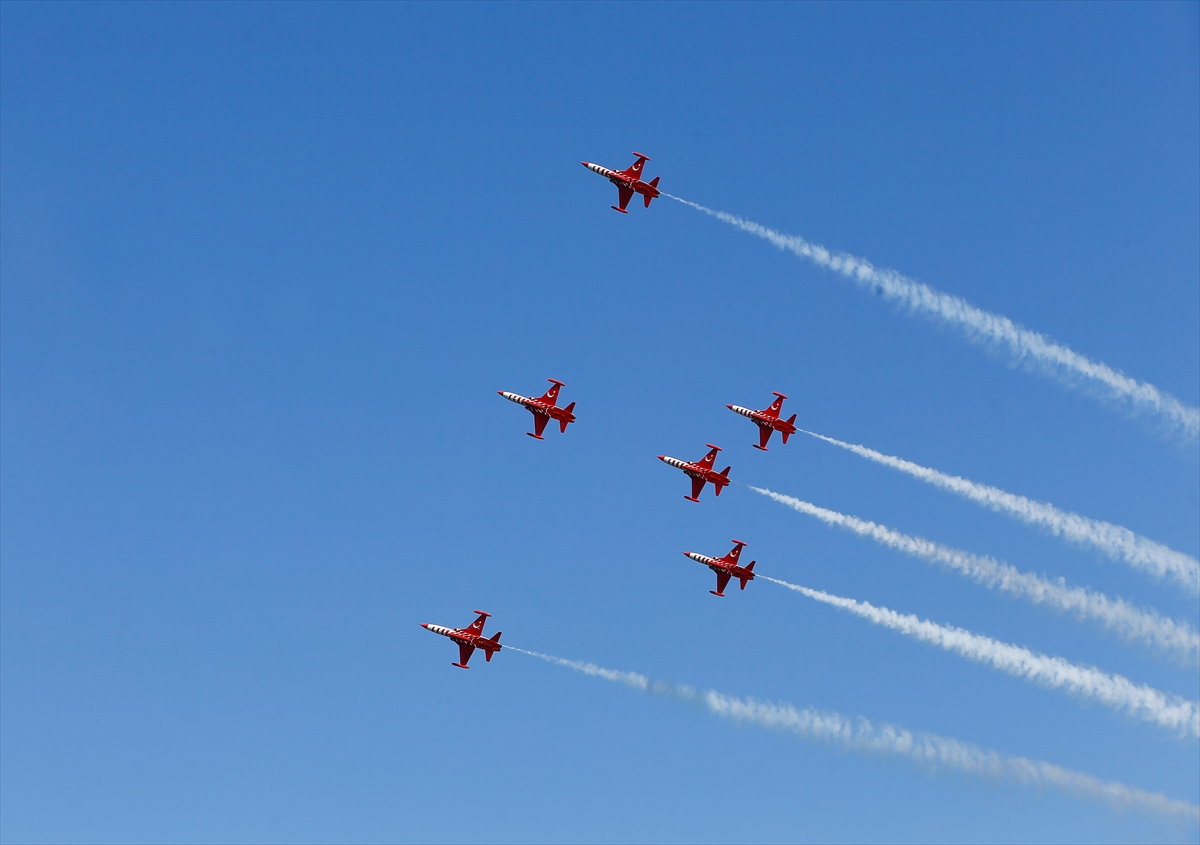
x: 717, y: 488
x: 562, y: 424
x: 792, y: 422
x: 745, y: 579
x: 653, y: 184
x: 495, y: 641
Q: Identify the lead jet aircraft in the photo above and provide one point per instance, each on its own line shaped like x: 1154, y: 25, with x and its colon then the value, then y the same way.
x: 768, y: 421
x: 628, y: 182
x: 469, y: 639
x: 544, y: 409
x: 701, y: 471
x: 726, y: 567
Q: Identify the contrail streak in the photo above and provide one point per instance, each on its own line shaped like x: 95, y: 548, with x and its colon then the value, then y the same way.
x: 1133, y: 623
x: 1116, y: 691
x: 861, y: 736
x: 982, y: 326
x: 1113, y: 540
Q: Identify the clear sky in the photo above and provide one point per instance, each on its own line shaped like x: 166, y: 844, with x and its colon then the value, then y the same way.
x: 264, y: 267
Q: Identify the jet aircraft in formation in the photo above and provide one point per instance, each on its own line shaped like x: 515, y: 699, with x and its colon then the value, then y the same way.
x: 726, y: 567
x: 628, y: 182
x: 768, y: 421
x: 544, y: 409
x: 469, y: 639
x: 701, y: 471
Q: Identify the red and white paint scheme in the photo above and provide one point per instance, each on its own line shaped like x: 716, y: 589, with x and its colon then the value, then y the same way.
x: 469, y: 639
x: 544, y: 409
x: 768, y: 421
x: 726, y: 567
x: 628, y: 182
x: 701, y: 471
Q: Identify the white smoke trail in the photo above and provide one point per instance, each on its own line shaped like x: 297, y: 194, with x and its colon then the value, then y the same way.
x: 630, y: 679
x: 860, y: 735
x: 1116, y: 542
x: 980, y: 325
x: 1117, y: 615
x: 1116, y: 691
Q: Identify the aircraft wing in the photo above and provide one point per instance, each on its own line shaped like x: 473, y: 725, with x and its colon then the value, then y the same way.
x: 697, y: 486
x: 764, y: 436
x: 722, y: 581
x: 464, y: 653
x: 626, y: 194
x: 734, y: 553
x: 539, y: 423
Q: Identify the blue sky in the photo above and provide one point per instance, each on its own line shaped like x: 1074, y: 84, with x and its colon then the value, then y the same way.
x: 265, y: 266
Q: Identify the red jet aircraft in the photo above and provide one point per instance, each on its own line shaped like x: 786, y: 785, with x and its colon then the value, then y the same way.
x: 469, y: 639
x: 544, y: 409
x: 726, y: 567
x: 768, y: 421
x: 701, y: 471
x: 628, y: 181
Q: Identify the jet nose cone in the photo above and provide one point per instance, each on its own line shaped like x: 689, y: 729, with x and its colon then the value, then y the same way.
x: 730, y: 407
x: 586, y: 163
x: 425, y: 625
x: 501, y: 392
x: 662, y: 457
